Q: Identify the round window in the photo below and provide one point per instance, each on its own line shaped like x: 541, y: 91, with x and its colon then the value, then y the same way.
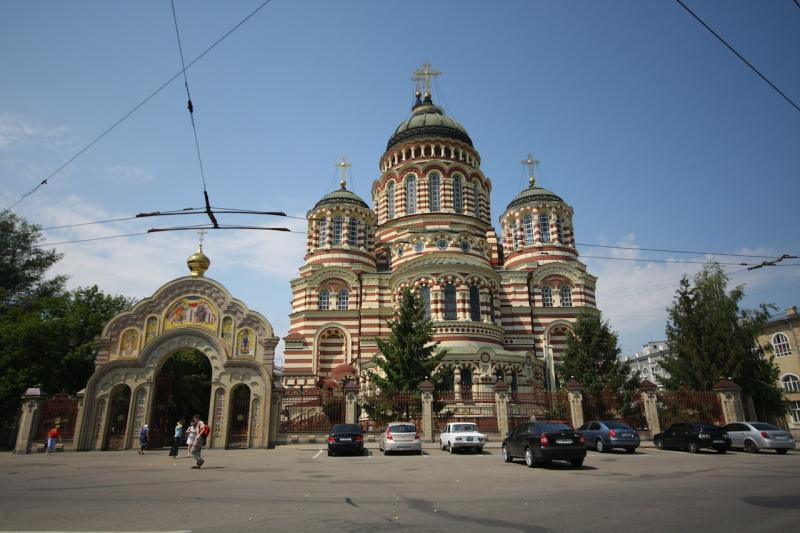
x: 419, y: 246
x: 465, y: 247
x: 441, y: 244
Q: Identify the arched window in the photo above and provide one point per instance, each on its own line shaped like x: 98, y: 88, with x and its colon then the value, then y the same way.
x: 514, y: 381
x: 323, y: 232
x: 449, y: 302
x: 458, y: 195
x: 411, y: 195
x: 425, y: 296
x: 474, y: 304
x: 544, y: 227
x: 547, y: 297
x: 352, y: 234
x: 560, y: 229
x: 780, y: 343
x: 433, y: 192
x: 390, y: 196
x: 476, y: 199
x: 565, y: 294
x: 466, y: 383
x: 791, y: 383
x: 343, y: 300
x: 528, y: 222
x: 324, y: 299
x: 515, y: 235
x: 337, y: 230
x: 491, y: 307
x: 498, y: 375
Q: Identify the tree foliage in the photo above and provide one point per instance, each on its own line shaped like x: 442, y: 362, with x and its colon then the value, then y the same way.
x: 592, y: 356
x: 409, y: 356
x: 710, y: 337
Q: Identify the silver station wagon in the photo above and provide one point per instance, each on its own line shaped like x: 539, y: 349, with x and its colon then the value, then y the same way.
x: 754, y: 436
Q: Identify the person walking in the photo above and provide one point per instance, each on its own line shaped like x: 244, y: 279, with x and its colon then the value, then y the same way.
x: 191, y: 436
x: 52, y: 436
x: 144, y: 436
x: 197, y: 449
x: 176, y: 439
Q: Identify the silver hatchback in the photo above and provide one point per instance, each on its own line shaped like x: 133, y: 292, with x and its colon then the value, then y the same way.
x: 400, y: 437
x: 754, y: 436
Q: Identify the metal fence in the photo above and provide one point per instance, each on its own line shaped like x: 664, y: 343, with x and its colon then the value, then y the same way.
x: 376, y: 410
x: 61, y: 409
x: 477, y: 407
x: 611, y: 405
x: 689, y: 405
x: 311, y: 410
x: 540, y: 404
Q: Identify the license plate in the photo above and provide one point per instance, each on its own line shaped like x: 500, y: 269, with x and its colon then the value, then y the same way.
x: 719, y: 442
x: 469, y: 439
x: 627, y: 435
x: 563, y: 441
x: 779, y: 437
x: 345, y: 439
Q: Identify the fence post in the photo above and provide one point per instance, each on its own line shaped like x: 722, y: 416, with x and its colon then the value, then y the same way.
x: 730, y: 400
x: 650, y: 403
x: 426, y: 388
x: 276, y: 398
x: 574, y: 389
x: 32, y: 402
x: 351, y: 395
x: 501, y: 397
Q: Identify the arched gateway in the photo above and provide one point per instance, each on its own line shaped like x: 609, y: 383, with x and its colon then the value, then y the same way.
x: 196, y: 317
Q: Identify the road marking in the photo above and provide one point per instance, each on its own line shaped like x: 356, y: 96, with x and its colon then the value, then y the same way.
x: 103, y: 530
x: 318, y: 454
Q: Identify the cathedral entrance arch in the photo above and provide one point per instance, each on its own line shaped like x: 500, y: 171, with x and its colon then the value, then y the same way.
x: 238, y: 435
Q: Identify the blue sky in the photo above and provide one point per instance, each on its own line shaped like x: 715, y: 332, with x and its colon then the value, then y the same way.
x: 654, y: 132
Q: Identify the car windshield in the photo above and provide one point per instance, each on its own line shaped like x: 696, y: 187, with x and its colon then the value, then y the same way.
x: 617, y: 425
x: 460, y: 428
x: 345, y: 428
x: 761, y: 426
x: 547, y: 428
x: 403, y: 428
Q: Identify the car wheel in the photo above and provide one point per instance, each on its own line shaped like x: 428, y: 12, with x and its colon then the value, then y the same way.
x: 385, y: 452
x: 630, y: 450
x: 750, y: 447
x: 600, y: 446
x: 659, y: 444
x: 529, y: 460
x: 781, y: 451
x: 419, y: 452
x: 330, y: 453
x: 480, y: 451
x: 576, y: 463
x: 452, y: 448
x: 442, y: 446
x: 506, y: 456
x: 693, y: 448
x: 721, y: 449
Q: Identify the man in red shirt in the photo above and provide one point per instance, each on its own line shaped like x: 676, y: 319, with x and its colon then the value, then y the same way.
x: 53, y: 435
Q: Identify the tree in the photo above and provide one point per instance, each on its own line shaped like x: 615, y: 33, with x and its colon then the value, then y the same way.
x: 710, y: 337
x: 409, y: 356
x: 592, y: 356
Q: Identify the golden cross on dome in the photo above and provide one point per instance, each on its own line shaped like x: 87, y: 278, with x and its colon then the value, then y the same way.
x: 426, y: 73
x: 343, y: 166
x: 201, y: 233
x: 531, y: 164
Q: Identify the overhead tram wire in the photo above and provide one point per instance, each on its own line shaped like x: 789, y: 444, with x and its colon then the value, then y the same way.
x: 745, y: 61
x: 135, y: 108
x: 663, y: 250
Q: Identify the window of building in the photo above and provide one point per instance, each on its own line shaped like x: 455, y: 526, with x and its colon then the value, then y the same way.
x: 794, y: 411
x: 515, y: 235
x: 498, y: 375
x: 791, y: 383
x: 324, y: 299
x: 449, y: 302
x: 433, y: 192
x: 337, y: 230
x: 780, y: 343
x: 343, y: 300
x: 465, y: 247
x: 475, y: 304
x: 528, y: 223
x: 491, y: 307
x: 458, y: 195
x: 425, y: 296
x: 560, y: 230
x: 411, y: 195
x: 566, y: 296
x: 441, y: 244
x: 476, y: 198
x: 352, y: 234
x: 547, y: 297
x: 514, y: 381
x: 390, y: 200
x: 544, y: 227
x: 419, y: 246
x: 323, y: 232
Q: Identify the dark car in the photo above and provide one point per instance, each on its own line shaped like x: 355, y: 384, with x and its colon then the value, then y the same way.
x: 603, y: 435
x: 543, y: 442
x: 346, y: 438
x: 693, y: 436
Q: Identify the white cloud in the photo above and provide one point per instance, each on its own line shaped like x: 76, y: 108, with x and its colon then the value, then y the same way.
x: 15, y: 131
x: 128, y: 174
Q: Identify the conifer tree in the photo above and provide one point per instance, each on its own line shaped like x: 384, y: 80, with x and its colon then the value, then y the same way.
x: 409, y: 356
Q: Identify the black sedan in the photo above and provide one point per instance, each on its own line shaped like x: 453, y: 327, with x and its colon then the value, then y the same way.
x: 346, y: 438
x: 693, y: 436
x: 543, y: 442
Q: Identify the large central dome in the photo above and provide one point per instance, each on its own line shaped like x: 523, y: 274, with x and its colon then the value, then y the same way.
x: 428, y: 120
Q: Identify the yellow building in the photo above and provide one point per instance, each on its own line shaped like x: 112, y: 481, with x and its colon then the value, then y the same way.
x: 783, y: 334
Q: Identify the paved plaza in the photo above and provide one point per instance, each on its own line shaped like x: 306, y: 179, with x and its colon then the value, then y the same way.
x: 299, y: 488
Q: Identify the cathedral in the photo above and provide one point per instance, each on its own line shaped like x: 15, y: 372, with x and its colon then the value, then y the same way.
x: 501, y: 307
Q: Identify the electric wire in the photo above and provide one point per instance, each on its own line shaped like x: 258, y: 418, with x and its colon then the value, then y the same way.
x: 746, y: 62
x: 672, y: 251
x: 149, y: 97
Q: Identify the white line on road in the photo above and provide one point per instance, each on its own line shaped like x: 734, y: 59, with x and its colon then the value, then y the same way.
x: 318, y: 454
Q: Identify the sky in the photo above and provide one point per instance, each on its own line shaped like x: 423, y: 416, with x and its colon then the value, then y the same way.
x: 654, y: 132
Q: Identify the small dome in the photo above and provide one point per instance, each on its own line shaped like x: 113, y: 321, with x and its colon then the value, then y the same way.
x: 428, y: 120
x: 534, y: 194
x: 198, y: 262
x: 341, y: 196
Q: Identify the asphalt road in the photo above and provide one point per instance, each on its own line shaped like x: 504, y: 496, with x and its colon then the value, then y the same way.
x: 296, y: 488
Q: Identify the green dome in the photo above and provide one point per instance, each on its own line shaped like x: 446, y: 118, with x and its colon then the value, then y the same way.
x: 534, y: 194
x: 428, y: 120
x: 341, y: 196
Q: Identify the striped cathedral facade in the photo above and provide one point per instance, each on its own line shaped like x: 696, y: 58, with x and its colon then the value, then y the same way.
x: 500, y: 305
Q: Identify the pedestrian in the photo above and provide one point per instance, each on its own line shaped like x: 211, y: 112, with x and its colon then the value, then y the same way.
x: 53, y: 435
x: 191, y: 435
x: 143, y: 438
x: 197, y: 449
x: 176, y: 439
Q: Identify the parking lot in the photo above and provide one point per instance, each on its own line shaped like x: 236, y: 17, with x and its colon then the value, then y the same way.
x: 300, y: 488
